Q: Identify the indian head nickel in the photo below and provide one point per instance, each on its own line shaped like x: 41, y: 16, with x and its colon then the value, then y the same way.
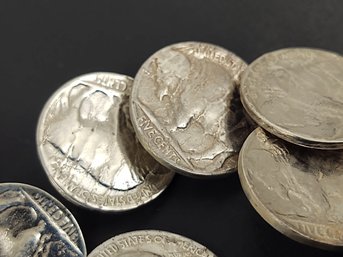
x: 88, y: 148
x: 34, y: 224
x: 150, y: 243
x: 297, y: 190
x: 186, y: 110
x: 297, y: 94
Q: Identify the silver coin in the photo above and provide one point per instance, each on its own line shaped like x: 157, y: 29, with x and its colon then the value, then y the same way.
x: 186, y: 110
x: 150, y: 243
x: 88, y: 148
x: 297, y: 94
x: 297, y: 190
x: 33, y: 223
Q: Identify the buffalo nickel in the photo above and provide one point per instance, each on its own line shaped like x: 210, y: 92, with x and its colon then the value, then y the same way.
x: 150, y: 243
x: 33, y: 223
x: 297, y: 190
x: 88, y: 148
x: 297, y: 94
x: 186, y: 110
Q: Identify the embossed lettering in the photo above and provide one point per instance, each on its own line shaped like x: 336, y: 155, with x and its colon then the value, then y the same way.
x: 157, y: 139
x: 110, y: 249
x: 321, y: 231
x: 113, y: 83
x: 63, y: 221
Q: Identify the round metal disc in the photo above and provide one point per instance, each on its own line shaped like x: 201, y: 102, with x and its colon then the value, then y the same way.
x: 186, y: 110
x: 88, y: 148
x: 297, y: 190
x: 33, y: 223
x: 297, y: 94
x: 150, y: 243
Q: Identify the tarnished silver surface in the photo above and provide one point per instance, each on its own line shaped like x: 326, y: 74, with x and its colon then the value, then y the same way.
x: 34, y: 224
x: 186, y: 110
x: 88, y: 147
x: 297, y: 190
x: 297, y: 94
x: 150, y: 243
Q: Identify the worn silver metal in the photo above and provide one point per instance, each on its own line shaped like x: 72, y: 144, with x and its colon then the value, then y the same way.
x: 297, y: 94
x: 150, y: 243
x: 186, y: 110
x: 297, y: 190
x: 88, y: 148
x: 34, y: 224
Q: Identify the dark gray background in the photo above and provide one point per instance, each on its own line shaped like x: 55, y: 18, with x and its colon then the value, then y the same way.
x: 44, y: 43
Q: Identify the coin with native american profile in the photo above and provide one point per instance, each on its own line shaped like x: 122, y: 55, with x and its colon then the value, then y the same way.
x: 297, y: 95
x: 297, y: 190
x: 88, y: 147
x: 186, y: 110
x: 33, y: 223
x: 150, y: 243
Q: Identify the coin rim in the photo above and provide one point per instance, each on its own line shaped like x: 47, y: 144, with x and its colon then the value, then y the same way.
x: 275, y: 129
x: 152, y: 232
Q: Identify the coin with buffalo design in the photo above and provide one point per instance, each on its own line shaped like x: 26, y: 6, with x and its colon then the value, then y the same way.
x: 88, y: 147
x: 186, y: 110
x: 297, y: 94
x: 297, y: 190
x: 33, y: 223
x: 150, y: 243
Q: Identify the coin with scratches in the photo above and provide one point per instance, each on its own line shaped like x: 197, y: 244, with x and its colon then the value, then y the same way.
x: 186, y: 110
x: 297, y: 95
x: 297, y: 190
x: 150, y: 243
x: 88, y: 147
x: 33, y: 223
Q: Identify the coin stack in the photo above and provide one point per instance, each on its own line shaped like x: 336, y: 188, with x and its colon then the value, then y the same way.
x: 293, y: 174
x: 112, y: 143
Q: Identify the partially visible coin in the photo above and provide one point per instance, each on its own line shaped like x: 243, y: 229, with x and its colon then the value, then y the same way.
x: 186, y: 110
x: 297, y: 190
x: 88, y: 147
x: 297, y: 94
x: 150, y: 243
x: 33, y: 223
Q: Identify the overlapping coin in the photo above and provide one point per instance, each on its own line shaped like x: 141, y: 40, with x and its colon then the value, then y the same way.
x: 33, y: 223
x: 297, y: 94
x: 297, y: 190
x: 186, y: 110
x: 150, y: 243
x: 88, y: 148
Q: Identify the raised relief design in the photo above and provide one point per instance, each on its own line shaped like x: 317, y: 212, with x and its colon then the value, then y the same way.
x: 88, y: 146
x: 297, y: 94
x: 301, y: 187
x: 84, y: 126
x: 193, y: 98
x: 26, y: 231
